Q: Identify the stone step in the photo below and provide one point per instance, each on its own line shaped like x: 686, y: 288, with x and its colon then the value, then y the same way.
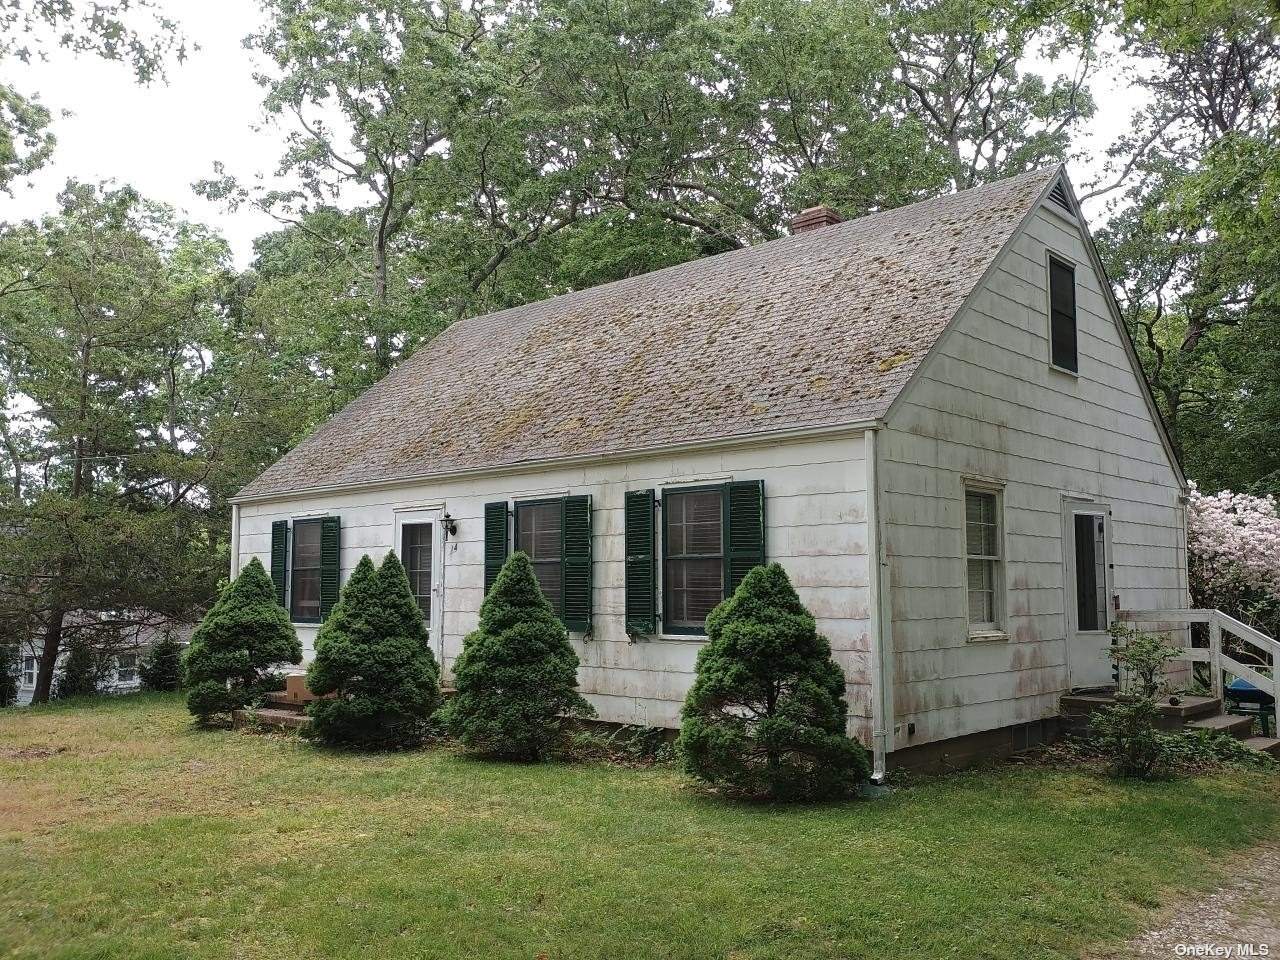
x: 1239, y: 727
x: 1264, y: 745
x: 269, y: 717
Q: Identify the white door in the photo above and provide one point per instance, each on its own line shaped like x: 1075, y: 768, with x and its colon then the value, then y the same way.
x: 420, y: 545
x: 1086, y: 549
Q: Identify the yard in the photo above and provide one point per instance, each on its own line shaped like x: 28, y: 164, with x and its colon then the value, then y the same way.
x: 127, y: 833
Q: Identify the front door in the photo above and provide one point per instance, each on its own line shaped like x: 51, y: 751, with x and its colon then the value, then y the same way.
x: 420, y: 545
x: 1086, y: 541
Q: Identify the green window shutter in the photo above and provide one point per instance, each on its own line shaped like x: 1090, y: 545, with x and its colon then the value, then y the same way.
x: 495, y: 541
x: 330, y: 563
x: 576, y: 558
x: 640, y: 584
x: 744, y: 528
x: 280, y: 558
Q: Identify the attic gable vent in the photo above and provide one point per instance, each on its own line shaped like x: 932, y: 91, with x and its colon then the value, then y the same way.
x: 1059, y: 196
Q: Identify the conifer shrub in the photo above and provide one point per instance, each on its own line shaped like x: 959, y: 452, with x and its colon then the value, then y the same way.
x: 80, y: 674
x: 10, y: 664
x: 234, y: 651
x: 162, y: 668
x: 373, y: 656
x: 517, y: 676
x: 766, y: 715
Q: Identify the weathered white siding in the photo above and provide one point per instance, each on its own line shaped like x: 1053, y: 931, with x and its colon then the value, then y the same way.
x: 988, y: 405
x: 815, y: 513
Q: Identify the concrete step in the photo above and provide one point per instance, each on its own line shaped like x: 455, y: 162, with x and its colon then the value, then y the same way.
x: 1239, y: 727
x: 269, y: 717
x: 1264, y: 745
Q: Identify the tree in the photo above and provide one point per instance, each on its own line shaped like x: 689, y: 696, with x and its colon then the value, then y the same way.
x: 516, y: 678
x: 766, y: 714
x: 110, y: 30
x: 237, y: 646
x: 9, y: 667
x: 373, y: 664
x: 113, y: 430
x: 162, y: 668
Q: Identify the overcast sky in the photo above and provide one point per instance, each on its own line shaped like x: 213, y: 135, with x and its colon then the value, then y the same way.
x: 163, y: 138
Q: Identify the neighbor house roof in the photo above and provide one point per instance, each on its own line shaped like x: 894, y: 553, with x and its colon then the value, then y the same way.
x: 818, y: 329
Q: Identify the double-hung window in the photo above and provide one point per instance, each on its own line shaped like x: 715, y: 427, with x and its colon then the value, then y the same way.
x: 540, y: 534
x: 693, y: 567
x: 126, y: 667
x: 1063, y: 349
x: 416, y: 551
x: 555, y: 534
x: 304, y: 587
x: 982, y: 548
x: 28, y: 671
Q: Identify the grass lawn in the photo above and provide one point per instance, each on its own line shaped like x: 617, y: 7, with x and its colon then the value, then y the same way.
x: 126, y: 833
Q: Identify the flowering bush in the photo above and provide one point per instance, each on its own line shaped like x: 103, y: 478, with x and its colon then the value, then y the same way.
x: 1234, y: 562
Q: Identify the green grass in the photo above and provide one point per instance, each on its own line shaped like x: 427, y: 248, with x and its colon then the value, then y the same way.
x: 126, y: 833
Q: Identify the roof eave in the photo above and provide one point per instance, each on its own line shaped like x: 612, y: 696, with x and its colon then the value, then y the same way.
x: 763, y: 437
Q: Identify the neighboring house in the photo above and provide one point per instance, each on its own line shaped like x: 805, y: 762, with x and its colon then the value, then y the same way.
x: 931, y: 417
x: 120, y: 670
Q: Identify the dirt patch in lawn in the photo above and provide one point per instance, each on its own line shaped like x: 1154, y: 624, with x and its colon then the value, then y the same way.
x: 1241, y: 918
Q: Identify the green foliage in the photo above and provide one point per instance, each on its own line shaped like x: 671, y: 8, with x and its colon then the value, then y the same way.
x: 766, y: 715
x: 373, y: 664
x: 80, y: 674
x: 162, y: 668
x: 236, y: 646
x: 10, y: 664
x: 1127, y: 732
x: 517, y: 676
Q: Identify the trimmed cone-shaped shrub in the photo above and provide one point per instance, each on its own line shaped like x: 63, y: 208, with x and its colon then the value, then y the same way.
x: 517, y: 676
x: 374, y: 656
x: 234, y: 650
x: 162, y: 668
x: 766, y: 714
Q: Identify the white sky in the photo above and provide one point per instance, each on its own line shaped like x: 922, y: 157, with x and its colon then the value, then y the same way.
x: 163, y: 138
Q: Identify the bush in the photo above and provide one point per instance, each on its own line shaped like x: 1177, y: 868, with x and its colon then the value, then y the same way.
x: 233, y: 650
x: 766, y: 715
x: 517, y: 677
x: 1126, y: 732
x: 373, y: 655
x: 9, y: 666
x: 80, y: 674
x: 162, y: 668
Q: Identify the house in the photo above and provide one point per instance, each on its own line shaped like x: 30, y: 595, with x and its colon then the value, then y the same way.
x: 932, y: 417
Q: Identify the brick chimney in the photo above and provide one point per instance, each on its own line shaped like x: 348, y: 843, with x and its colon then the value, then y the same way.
x: 815, y: 218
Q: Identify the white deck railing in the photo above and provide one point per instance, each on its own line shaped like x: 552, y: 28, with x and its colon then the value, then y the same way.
x: 1220, y: 662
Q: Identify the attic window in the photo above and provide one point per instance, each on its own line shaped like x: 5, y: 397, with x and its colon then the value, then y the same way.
x: 1063, y: 352
x: 1059, y: 196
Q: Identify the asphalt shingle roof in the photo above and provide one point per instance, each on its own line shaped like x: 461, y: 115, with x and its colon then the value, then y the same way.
x: 817, y: 329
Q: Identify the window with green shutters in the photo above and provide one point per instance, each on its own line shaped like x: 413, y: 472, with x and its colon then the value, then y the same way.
x: 556, y: 535
x: 306, y: 566
x: 711, y: 537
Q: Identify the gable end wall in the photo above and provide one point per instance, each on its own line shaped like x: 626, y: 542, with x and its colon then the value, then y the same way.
x: 987, y: 405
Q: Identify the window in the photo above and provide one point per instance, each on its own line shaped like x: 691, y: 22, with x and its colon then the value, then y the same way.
x: 540, y: 534
x: 982, y: 548
x: 1091, y: 571
x: 1062, y: 315
x: 693, y: 543
x: 417, y: 563
x: 28, y: 671
x: 126, y: 668
x: 304, y: 587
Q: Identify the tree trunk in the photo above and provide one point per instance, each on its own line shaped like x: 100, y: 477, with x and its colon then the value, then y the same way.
x: 49, y: 655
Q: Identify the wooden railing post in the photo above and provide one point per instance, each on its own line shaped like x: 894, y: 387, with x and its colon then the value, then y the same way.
x: 1215, y: 654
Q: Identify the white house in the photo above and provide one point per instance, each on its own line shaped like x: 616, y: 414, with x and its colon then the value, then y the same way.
x: 931, y: 417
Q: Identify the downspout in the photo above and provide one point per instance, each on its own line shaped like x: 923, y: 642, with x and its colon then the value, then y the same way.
x: 881, y: 674
x: 235, y: 540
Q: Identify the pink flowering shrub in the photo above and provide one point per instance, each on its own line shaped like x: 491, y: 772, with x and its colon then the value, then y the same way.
x: 1234, y: 544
